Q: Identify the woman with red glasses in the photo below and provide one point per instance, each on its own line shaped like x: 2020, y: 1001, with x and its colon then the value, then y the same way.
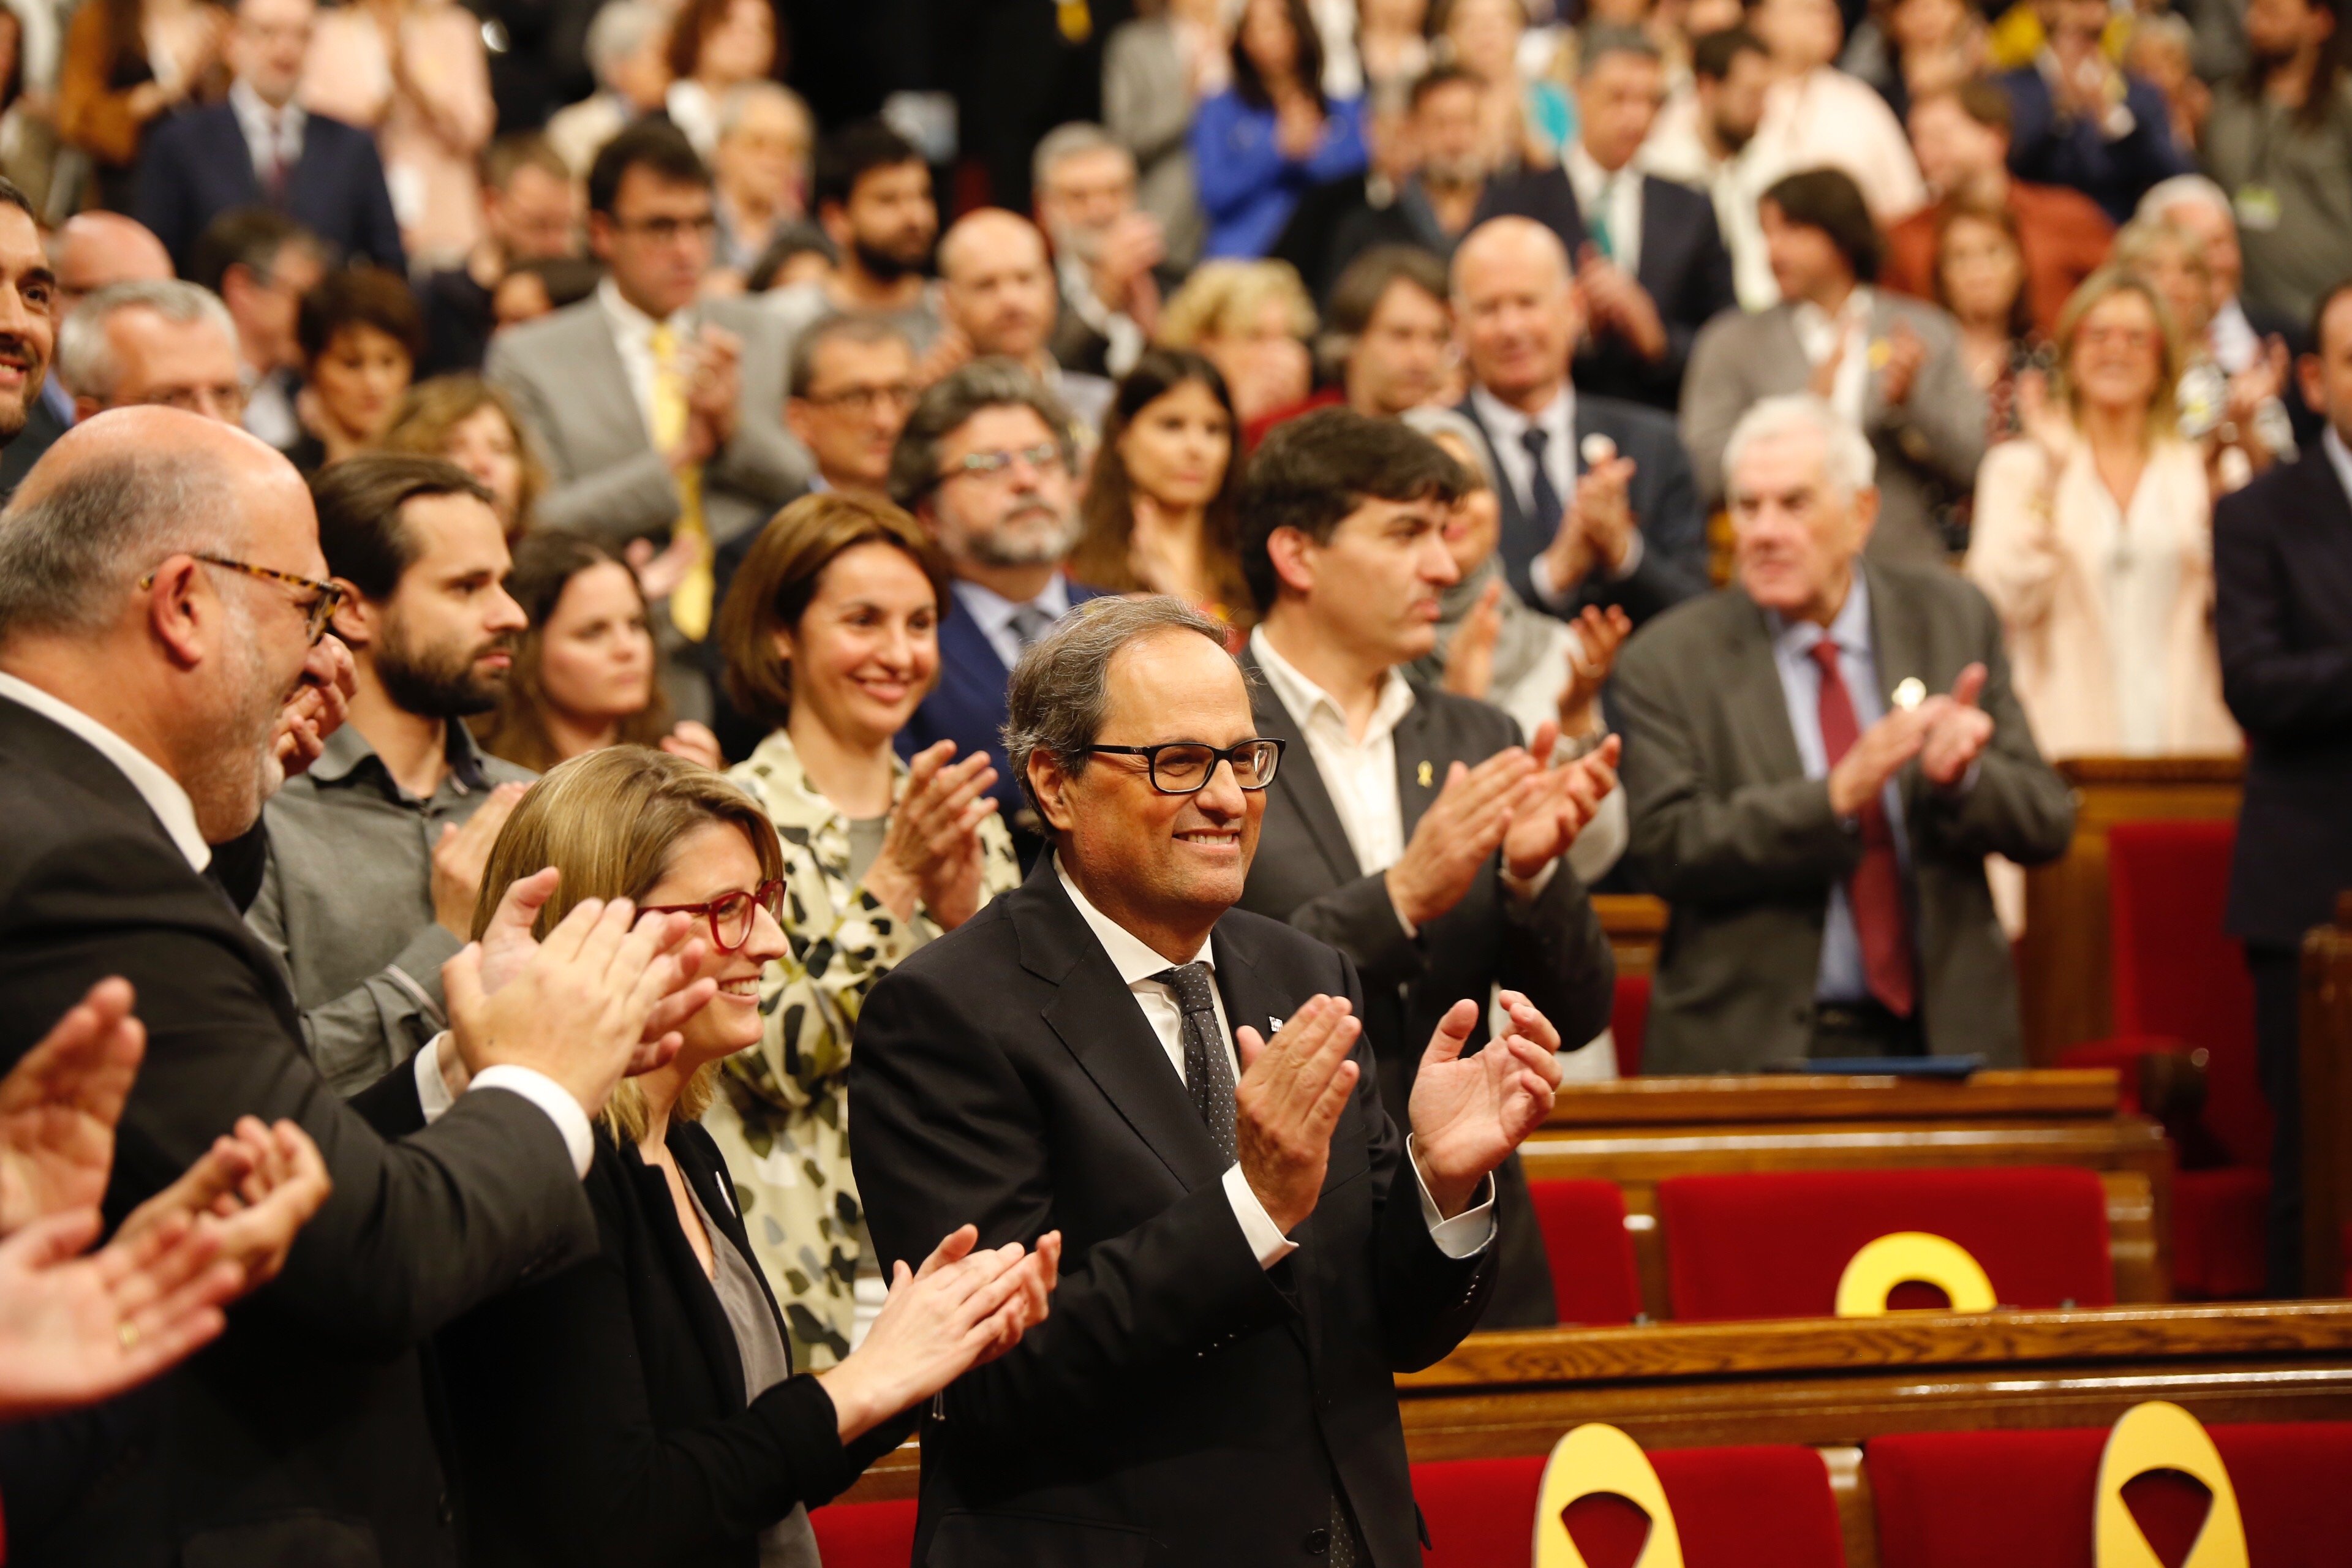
x: 830, y: 633
x: 644, y: 1406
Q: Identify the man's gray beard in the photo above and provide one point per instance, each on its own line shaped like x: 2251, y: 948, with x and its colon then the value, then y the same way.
x: 240, y: 770
x: 1007, y: 548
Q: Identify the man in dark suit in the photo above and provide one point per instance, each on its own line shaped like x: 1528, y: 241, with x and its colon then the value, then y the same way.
x: 2283, y: 611
x: 1598, y: 506
x: 1818, y: 759
x: 1251, y: 1249
x: 2078, y: 119
x: 987, y: 461
x: 1654, y: 268
x: 1411, y: 829
x: 260, y: 148
x: 159, y: 601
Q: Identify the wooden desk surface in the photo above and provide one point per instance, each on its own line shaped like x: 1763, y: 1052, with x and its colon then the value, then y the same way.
x: 2091, y: 1093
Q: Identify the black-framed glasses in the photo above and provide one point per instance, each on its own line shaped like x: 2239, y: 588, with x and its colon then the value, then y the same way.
x: 318, y: 610
x: 670, y: 230
x: 731, y: 915
x: 1185, y: 767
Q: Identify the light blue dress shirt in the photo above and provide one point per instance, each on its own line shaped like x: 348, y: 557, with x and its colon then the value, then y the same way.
x: 994, y: 613
x: 1841, y: 978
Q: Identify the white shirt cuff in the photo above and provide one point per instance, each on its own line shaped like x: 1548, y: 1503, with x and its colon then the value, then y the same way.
x: 1633, y: 562
x: 1467, y: 1234
x: 1411, y: 931
x: 578, y: 1138
x: 1265, y: 1242
x: 1540, y: 579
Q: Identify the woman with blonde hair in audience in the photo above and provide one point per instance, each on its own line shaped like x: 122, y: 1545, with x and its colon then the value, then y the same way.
x: 1161, y: 509
x: 2095, y: 540
x: 830, y: 632
x: 415, y: 73
x: 1252, y: 319
x: 583, y: 670
x: 2238, y: 420
x: 715, y: 47
x: 476, y: 426
x: 644, y: 1406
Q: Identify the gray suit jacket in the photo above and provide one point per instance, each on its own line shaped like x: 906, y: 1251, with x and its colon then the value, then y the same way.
x: 1729, y: 831
x: 1928, y: 446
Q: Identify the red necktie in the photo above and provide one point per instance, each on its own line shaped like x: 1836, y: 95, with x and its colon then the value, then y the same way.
x: 1875, y: 891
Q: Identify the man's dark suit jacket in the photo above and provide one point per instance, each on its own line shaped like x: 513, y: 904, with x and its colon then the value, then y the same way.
x: 1686, y: 272
x: 42, y: 428
x: 601, y: 1415
x: 1664, y: 498
x: 968, y: 707
x: 1728, y: 830
x: 196, y: 165
x: 301, y: 1435
x: 1306, y: 873
x: 2283, y: 611
x: 2074, y: 152
x: 1337, y: 222
x: 1181, y: 1405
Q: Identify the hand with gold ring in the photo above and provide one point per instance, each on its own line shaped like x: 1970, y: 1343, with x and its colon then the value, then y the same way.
x: 1595, y: 636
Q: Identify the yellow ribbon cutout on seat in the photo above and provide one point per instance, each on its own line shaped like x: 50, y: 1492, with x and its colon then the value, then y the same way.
x: 1872, y: 1274
x: 1598, y: 1458
x: 691, y: 601
x: 2158, y: 1435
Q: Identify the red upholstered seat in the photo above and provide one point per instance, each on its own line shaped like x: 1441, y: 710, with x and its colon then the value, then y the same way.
x: 1593, y: 1273
x: 1629, y: 1021
x: 1773, y: 1245
x: 1767, y: 1507
x: 866, y: 1534
x: 2180, y: 983
x: 2023, y: 1499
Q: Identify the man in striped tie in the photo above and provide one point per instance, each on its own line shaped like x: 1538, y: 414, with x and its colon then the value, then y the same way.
x: 1818, y: 759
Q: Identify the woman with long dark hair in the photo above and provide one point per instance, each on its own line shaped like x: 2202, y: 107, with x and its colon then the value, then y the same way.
x: 1161, y: 510
x: 1261, y: 142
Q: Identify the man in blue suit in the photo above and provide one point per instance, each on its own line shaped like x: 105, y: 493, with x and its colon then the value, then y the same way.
x: 260, y: 149
x: 2079, y: 121
x: 988, y: 460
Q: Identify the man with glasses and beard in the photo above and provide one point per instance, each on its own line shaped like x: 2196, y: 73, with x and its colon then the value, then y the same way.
x: 988, y: 463
x: 872, y: 192
x: 376, y: 853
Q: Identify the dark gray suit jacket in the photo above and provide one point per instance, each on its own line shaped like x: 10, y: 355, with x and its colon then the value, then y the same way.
x: 1306, y: 873
x: 1928, y: 446
x: 302, y: 1435
x: 1729, y: 831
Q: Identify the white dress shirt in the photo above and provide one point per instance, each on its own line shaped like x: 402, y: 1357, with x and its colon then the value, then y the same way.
x: 267, y: 129
x: 994, y: 613
x: 1676, y: 150
x: 1463, y: 1236
x: 1359, y: 771
x: 1557, y: 420
x: 1615, y: 197
x: 1818, y: 334
x: 633, y: 336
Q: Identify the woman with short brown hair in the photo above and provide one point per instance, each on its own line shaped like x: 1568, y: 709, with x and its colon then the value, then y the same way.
x: 477, y: 427
x: 360, y: 334
x: 830, y: 633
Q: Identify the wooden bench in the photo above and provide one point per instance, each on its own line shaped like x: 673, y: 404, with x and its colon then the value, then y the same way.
x: 1639, y: 1131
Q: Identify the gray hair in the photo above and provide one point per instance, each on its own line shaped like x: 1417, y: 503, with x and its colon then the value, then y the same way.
x: 68, y: 554
x: 740, y: 98
x: 1601, y: 42
x: 2183, y: 190
x: 970, y: 389
x: 1071, y: 141
x: 619, y: 30
x: 838, y: 327
x: 1848, y: 464
x: 1062, y: 685
x: 1433, y: 422
x: 86, y: 361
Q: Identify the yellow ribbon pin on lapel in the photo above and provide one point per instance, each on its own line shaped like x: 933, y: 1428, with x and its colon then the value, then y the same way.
x: 1423, y: 776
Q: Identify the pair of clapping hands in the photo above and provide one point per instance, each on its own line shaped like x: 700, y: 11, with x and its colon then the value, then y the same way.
x: 1947, y: 733
x: 77, y: 1329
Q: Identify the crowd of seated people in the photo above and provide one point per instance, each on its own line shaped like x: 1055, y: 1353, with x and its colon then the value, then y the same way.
x: 1734, y: 452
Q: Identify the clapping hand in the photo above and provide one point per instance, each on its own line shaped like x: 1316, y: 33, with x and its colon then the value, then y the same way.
x: 1292, y: 1091
x: 1958, y: 731
x: 1468, y: 1113
x: 1470, y: 657
x: 931, y: 852
x: 1905, y: 355
x: 696, y: 744
x: 255, y: 1189
x: 1597, y: 526
x: 317, y: 708
x: 59, y: 1105
x: 1554, y: 806
x: 1619, y: 301
x: 461, y: 855
x: 1465, y: 825
x: 1598, y: 634
x: 714, y: 384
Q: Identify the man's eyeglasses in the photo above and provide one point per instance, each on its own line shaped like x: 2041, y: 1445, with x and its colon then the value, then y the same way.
x: 864, y: 400
x: 731, y: 915
x: 1185, y: 767
x: 317, y: 610
x: 666, y: 230
x: 981, y: 464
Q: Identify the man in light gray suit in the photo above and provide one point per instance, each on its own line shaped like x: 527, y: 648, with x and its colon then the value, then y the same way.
x: 661, y: 419
x: 1818, y: 759
x: 1889, y: 365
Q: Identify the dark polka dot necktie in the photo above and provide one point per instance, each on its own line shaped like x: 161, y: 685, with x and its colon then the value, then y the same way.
x: 1208, y: 1068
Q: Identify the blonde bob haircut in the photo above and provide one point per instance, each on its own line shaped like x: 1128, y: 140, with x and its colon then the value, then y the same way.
x: 2164, y: 403
x: 1222, y: 298
x: 610, y: 821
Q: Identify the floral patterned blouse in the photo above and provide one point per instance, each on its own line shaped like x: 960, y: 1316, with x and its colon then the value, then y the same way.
x: 781, y: 1118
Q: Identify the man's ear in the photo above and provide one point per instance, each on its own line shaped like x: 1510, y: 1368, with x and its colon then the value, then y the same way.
x: 834, y: 219
x: 2311, y: 373
x: 600, y: 236
x: 1292, y: 554
x: 181, y: 616
x: 1865, y: 515
x: 356, y: 621
x: 796, y: 419
x: 1052, y: 787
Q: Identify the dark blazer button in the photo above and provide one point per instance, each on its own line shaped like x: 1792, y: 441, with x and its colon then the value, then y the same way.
x: 1317, y: 1543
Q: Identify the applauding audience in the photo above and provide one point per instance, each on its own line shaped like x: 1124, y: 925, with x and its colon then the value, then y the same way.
x: 832, y: 633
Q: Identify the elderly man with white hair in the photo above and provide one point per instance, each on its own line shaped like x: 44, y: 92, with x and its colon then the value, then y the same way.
x: 164, y: 342
x: 2202, y: 209
x: 1819, y: 757
x: 1107, y: 247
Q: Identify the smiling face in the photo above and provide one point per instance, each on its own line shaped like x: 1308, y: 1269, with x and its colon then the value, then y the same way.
x: 866, y: 648
x: 2116, y: 360
x: 705, y: 864
x: 1155, y: 861
x: 29, y: 322
x: 595, y: 653
x: 1515, y: 307
x: 1178, y: 445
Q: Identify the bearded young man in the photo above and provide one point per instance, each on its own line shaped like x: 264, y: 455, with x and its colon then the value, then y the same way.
x: 376, y: 853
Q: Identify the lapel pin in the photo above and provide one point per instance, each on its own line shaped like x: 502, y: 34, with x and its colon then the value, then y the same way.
x: 1423, y: 775
x: 1596, y: 450
x: 1909, y: 693
x: 1881, y: 351
x: 1274, y: 1026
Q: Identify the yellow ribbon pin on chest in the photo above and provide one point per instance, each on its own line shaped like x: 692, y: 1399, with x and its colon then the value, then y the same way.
x: 1423, y: 776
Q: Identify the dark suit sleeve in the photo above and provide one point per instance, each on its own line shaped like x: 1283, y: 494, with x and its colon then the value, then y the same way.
x: 1674, y: 534
x: 1361, y: 919
x: 1555, y: 951
x: 2018, y: 806
x: 416, y: 1231
x: 379, y: 230
x: 2275, y: 690
x: 1697, y: 844
x: 945, y: 1135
